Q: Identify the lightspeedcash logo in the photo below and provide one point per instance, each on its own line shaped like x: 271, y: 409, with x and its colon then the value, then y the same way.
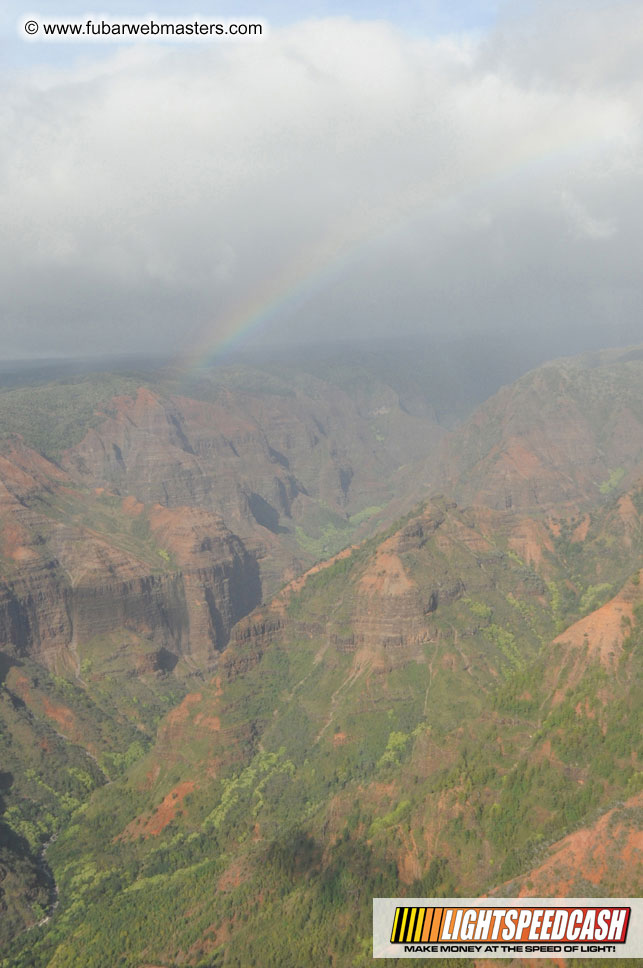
x: 454, y: 925
x: 495, y: 927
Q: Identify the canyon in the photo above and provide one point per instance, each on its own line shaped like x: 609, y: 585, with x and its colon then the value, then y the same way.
x: 269, y: 636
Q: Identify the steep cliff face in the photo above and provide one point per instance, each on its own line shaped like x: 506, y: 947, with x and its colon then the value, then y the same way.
x: 220, y: 578
x: 570, y: 431
x: 34, y: 609
x: 77, y: 565
x: 148, y: 448
x: 44, y: 614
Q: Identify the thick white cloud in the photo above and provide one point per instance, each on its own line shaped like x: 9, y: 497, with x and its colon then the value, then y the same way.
x: 165, y: 195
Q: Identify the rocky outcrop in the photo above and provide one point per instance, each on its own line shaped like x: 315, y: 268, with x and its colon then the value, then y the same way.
x: 220, y: 578
x: 250, y: 640
x: 76, y: 566
x: 389, y: 623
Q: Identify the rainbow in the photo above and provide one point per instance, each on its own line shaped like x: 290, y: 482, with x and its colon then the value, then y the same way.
x: 328, y: 258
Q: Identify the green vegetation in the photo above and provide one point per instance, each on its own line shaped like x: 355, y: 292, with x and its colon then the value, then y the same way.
x: 364, y: 515
x: 55, y: 416
x: 613, y: 481
x: 594, y: 596
x: 325, y: 532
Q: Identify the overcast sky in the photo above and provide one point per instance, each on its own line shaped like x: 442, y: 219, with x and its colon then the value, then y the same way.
x: 365, y: 168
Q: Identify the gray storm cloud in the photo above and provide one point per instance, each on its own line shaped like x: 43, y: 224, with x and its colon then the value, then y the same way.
x: 353, y: 178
